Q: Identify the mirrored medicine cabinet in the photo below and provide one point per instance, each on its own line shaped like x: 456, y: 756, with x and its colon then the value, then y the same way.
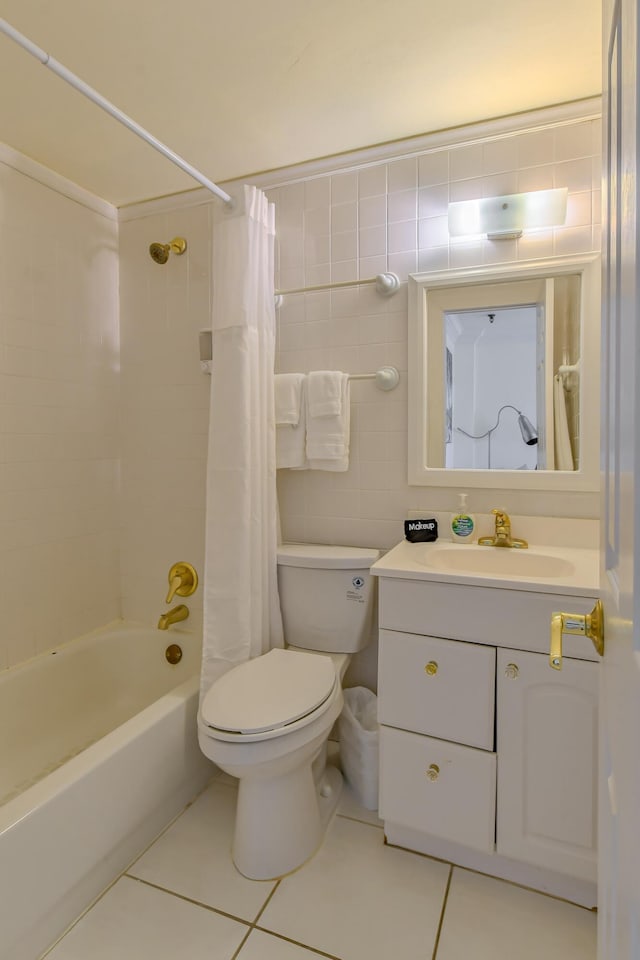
x: 504, y: 376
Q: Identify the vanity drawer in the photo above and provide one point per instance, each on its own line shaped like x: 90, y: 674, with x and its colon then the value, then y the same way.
x: 443, y: 688
x: 518, y: 619
x: 438, y: 788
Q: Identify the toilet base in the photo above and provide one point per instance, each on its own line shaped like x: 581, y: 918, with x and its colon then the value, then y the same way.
x: 281, y: 821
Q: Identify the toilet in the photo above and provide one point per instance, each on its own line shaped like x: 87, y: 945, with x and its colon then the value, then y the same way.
x: 267, y: 721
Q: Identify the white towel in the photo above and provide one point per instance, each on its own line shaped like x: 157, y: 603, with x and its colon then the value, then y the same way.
x: 288, y: 397
x: 328, y: 436
x: 291, y: 438
x: 325, y: 393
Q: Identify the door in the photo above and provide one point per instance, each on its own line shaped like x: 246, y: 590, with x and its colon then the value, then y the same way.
x: 547, y: 746
x: 619, y: 838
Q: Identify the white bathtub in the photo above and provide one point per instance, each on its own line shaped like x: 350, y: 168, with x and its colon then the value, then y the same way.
x: 98, y: 752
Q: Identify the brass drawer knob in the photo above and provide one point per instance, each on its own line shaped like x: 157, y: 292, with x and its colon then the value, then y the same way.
x: 433, y: 772
x: 511, y: 671
x: 431, y: 668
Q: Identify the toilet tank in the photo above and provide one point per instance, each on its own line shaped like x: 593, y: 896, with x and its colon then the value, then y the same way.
x: 327, y: 596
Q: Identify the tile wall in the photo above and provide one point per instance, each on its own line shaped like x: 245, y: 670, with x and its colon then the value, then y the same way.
x: 63, y: 363
x: 393, y: 216
x: 59, y: 356
x: 351, y: 223
x: 165, y: 408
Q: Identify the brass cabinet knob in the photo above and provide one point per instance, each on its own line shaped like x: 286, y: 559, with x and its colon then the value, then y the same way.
x: 431, y: 668
x: 511, y: 671
x: 433, y: 772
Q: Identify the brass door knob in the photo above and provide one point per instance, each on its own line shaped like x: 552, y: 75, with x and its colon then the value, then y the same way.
x: 586, y: 625
x: 431, y: 668
x: 433, y: 772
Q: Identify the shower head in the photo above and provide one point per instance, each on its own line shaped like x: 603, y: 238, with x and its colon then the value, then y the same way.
x: 159, y: 252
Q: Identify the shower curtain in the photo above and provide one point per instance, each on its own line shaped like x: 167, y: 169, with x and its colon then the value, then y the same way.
x: 241, y: 606
x: 564, y: 456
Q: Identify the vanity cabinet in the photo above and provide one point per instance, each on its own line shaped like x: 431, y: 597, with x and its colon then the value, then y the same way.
x: 487, y: 755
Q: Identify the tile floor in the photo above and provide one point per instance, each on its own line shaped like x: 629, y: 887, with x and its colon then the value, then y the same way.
x: 356, y: 899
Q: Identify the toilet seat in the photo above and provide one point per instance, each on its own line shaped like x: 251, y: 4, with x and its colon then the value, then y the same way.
x: 270, y: 695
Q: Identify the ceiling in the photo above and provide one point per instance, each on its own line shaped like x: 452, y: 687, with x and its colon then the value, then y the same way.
x: 238, y: 88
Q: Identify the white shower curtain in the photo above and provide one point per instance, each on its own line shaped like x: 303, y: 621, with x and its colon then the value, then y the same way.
x: 241, y: 606
x: 564, y: 456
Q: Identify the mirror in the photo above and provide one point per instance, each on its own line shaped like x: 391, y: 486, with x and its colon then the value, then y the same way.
x: 503, y: 376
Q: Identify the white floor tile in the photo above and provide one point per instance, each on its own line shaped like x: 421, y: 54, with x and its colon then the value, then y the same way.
x: 489, y: 919
x: 193, y: 858
x: 360, y: 900
x: 263, y: 946
x: 136, y: 922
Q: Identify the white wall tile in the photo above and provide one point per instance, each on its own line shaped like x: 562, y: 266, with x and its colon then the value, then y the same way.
x: 433, y: 168
x: 402, y: 206
x: 402, y: 175
x: 372, y: 181
x: 573, y: 140
x: 372, y: 211
x: 59, y: 349
x: 344, y: 188
x: 373, y: 241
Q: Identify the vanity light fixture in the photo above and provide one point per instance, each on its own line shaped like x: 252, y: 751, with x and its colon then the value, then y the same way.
x: 504, y: 218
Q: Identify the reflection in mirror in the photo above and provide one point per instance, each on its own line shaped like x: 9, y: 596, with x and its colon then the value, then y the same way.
x: 495, y: 362
x: 491, y: 367
x: 499, y: 385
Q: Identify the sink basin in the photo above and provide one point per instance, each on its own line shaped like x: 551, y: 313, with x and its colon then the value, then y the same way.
x: 501, y: 561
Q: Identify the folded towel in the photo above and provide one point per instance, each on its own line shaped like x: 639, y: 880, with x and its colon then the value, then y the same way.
x: 327, y: 444
x: 325, y: 393
x: 288, y: 397
x: 291, y: 438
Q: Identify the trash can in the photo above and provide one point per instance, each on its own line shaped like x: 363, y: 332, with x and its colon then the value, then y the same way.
x: 358, y: 729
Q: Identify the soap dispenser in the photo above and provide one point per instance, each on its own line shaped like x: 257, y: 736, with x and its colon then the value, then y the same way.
x: 463, y: 524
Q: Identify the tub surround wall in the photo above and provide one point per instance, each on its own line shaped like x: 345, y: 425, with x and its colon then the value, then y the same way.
x: 165, y: 408
x: 59, y: 355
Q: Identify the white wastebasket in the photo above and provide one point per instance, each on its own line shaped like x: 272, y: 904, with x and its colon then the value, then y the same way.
x: 358, y: 729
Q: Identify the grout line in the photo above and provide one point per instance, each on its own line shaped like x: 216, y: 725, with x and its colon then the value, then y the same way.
x: 367, y: 823
x: 196, y: 903
x: 444, y: 907
x: 298, y: 943
x: 242, y: 943
x: 266, y: 903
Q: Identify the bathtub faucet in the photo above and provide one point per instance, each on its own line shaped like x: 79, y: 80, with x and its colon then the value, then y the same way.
x: 175, y: 615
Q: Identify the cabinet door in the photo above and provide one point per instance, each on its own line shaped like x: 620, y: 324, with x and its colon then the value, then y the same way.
x: 547, y: 762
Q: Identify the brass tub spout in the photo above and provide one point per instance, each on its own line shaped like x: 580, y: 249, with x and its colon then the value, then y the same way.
x: 175, y: 615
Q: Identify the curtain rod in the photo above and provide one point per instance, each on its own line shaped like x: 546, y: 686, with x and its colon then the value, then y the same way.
x: 61, y: 71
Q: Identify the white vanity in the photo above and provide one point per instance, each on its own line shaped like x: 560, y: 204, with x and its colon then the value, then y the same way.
x: 488, y: 756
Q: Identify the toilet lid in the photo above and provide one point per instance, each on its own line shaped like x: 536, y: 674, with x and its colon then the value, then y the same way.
x: 268, y: 692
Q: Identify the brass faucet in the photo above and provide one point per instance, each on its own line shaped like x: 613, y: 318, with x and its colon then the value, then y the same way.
x: 502, y: 536
x: 183, y: 580
x: 175, y: 615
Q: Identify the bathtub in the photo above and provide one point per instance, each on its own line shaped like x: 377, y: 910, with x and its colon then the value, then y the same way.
x: 98, y: 752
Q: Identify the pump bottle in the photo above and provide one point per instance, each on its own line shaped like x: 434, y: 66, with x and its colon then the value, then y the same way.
x: 463, y: 523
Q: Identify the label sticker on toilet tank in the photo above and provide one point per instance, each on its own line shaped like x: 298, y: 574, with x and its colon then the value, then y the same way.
x: 356, y: 594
